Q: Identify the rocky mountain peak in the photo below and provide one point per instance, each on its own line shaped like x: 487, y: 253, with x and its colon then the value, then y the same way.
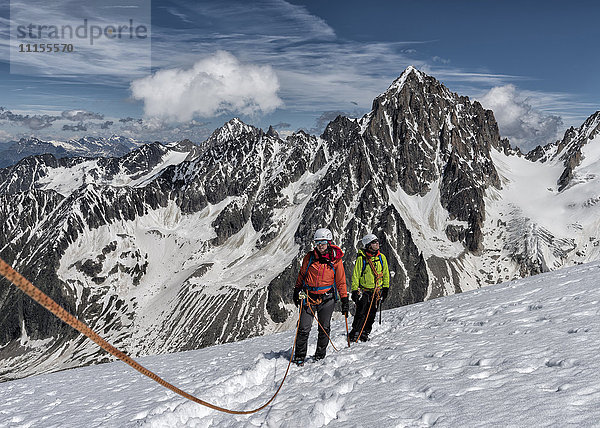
x: 570, y: 149
x: 342, y: 132
x: 573, y: 139
x: 231, y: 130
x: 591, y: 127
x: 433, y: 135
x: 411, y: 75
x: 183, y: 145
x: 272, y: 133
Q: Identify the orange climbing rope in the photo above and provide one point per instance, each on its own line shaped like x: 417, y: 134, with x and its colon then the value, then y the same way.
x: 308, y: 299
x: 373, y: 297
x: 43, y: 299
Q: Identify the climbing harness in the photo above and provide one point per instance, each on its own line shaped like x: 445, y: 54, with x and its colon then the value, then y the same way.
x: 48, y: 303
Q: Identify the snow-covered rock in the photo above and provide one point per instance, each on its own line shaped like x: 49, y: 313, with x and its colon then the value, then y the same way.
x: 113, y: 146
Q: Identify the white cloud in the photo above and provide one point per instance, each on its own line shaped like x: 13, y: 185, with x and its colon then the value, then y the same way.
x: 518, y: 120
x: 157, y: 129
x: 80, y: 115
x: 316, y: 70
x: 214, y: 85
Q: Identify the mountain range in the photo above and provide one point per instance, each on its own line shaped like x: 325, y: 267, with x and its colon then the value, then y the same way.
x: 114, y: 146
x: 177, y: 247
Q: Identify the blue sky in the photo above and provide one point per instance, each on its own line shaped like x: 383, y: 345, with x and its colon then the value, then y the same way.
x: 297, y: 64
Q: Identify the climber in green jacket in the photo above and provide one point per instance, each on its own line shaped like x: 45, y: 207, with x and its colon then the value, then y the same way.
x: 370, y: 287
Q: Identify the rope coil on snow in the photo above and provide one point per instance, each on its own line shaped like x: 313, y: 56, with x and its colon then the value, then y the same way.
x: 48, y: 303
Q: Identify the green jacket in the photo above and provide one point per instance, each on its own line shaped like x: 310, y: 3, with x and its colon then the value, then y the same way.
x: 365, y: 278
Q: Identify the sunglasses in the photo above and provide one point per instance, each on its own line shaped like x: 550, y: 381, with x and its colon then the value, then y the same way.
x: 323, y: 242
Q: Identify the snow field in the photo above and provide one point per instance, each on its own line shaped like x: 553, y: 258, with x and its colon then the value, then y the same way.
x: 518, y: 354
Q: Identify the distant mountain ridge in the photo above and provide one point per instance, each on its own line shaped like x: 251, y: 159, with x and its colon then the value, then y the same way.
x: 569, y: 149
x: 167, y: 249
x: 113, y: 146
x: 67, y: 174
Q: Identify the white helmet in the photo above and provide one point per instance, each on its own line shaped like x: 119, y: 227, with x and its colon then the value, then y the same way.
x: 368, y: 238
x: 323, y: 234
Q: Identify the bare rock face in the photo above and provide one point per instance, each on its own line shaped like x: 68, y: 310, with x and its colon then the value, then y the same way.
x: 571, y: 145
x: 427, y: 134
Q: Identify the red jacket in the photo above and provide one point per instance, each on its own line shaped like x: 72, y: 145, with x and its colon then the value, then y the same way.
x: 320, y: 273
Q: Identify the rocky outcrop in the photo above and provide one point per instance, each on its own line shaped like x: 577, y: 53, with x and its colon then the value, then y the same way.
x: 569, y: 149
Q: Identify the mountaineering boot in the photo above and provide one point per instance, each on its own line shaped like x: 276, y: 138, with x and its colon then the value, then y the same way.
x: 318, y: 357
x: 364, y: 337
x: 353, y: 335
x: 298, y: 361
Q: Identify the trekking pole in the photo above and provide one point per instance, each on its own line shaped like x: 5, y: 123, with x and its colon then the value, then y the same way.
x: 380, y: 304
x: 347, y: 335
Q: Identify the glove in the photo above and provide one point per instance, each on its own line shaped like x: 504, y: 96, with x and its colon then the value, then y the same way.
x: 355, y: 296
x: 296, y: 297
x: 345, y: 305
x: 384, y: 293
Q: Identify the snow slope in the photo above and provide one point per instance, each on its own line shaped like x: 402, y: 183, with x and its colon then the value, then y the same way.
x: 522, y: 353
